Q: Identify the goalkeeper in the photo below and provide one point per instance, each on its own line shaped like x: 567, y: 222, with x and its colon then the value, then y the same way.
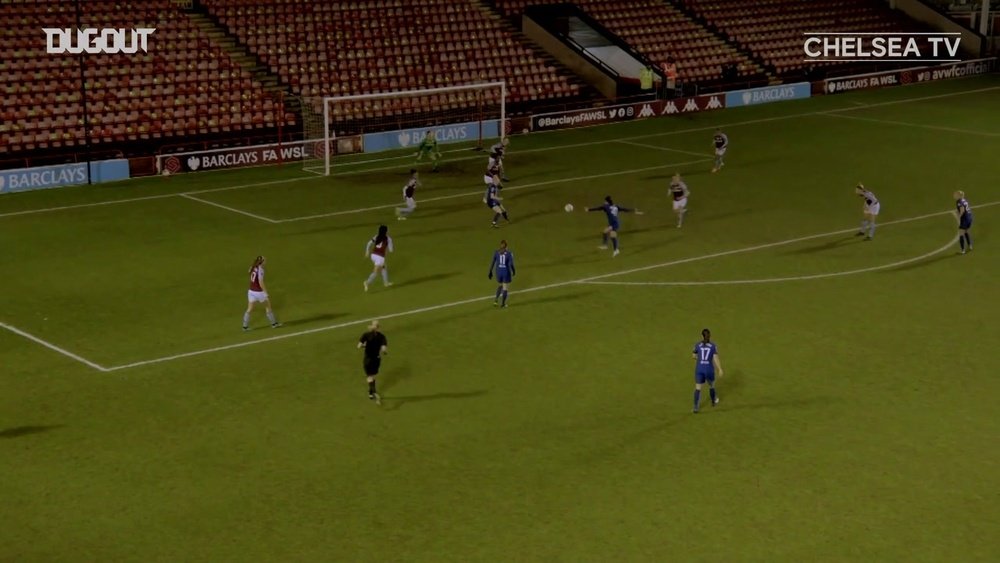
x: 429, y: 148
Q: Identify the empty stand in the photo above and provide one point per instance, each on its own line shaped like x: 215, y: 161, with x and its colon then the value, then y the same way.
x: 659, y: 30
x: 183, y: 86
x: 342, y: 48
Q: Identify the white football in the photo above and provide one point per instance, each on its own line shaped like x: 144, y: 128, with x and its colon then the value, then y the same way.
x: 569, y: 207
x: 166, y: 172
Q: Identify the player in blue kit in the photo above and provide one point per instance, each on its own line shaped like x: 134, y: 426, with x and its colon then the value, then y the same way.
x: 964, y: 211
x: 503, y: 262
x: 706, y: 365
x: 611, y: 209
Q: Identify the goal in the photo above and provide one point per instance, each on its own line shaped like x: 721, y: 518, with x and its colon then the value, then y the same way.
x: 394, y: 123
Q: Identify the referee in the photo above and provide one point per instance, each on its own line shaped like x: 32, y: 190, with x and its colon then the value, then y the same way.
x: 375, y: 345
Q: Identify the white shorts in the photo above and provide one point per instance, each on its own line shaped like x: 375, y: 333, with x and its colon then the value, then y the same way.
x: 411, y: 203
x: 378, y: 260
x: 488, y: 180
x: 720, y: 152
x: 680, y: 204
x: 256, y: 296
x: 872, y: 209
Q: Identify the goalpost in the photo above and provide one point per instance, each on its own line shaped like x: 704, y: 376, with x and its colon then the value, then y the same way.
x: 398, y: 121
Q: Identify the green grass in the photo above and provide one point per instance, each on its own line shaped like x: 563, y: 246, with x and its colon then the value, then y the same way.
x: 858, y: 418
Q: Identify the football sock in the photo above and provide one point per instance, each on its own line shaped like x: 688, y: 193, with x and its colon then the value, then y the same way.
x: 604, y: 239
x: 385, y: 275
x: 505, y: 297
x: 968, y: 240
x: 871, y: 229
x: 499, y: 291
x: 505, y: 216
x: 246, y: 319
x: 371, y: 279
x: 718, y: 162
x: 711, y: 393
x: 270, y: 317
x: 614, y: 242
x: 697, y: 398
x: 496, y: 217
x: 371, y: 387
x: 961, y: 241
x: 864, y: 226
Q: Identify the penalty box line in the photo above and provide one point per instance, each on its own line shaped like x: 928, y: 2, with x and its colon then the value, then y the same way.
x: 53, y: 347
x: 555, y: 285
x: 534, y: 150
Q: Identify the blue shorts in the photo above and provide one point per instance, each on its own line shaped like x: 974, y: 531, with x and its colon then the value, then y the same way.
x: 704, y: 377
x: 614, y: 227
x: 503, y: 276
x: 491, y: 203
x: 965, y: 222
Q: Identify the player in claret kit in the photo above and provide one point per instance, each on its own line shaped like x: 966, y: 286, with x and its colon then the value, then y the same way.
x: 869, y: 210
x: 497, y: 152
x: 258, y: 294
x: 408, y: 191
x: 964, y: 211
x: 376, y: 249
x: 492, y: 198
x: 612, y: 210
x: 679, y: 193
x: 720, y: 141
x: 503, y: 262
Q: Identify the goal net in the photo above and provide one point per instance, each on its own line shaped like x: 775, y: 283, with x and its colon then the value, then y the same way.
x: 391, y: 125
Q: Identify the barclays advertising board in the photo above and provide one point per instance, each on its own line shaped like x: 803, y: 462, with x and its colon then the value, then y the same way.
x: 410, y: 138
x: 768, y: 94
x: 42, y: 177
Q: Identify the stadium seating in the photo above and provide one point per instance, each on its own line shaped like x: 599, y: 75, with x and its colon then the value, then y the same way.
x: 772, y: 29
x: 341, y: 48
x: 658, y: 29
x: 183, y: 86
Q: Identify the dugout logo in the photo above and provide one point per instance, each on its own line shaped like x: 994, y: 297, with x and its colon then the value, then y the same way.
x: 93, y: 41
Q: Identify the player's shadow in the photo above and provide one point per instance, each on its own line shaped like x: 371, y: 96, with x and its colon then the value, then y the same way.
x: 426, y: 279
x: 396, y: 403
x: 779, y: 404
x: 393, y: 376
x: 823, y: 246
x: 922, y: 263
x: 19, y: 431
x: 313, y: 319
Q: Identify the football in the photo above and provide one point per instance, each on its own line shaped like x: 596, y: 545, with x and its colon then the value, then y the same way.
x: 569, y: 207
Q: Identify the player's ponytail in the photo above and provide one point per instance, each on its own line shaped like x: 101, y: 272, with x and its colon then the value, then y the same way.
x: 503, y: 244
x: 706, y: 334
x: 382, y: 235
x: 256, y: 262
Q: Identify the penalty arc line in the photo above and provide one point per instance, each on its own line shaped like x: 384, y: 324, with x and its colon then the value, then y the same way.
x: 783, y: 279
x: 540, y: 149
x: 438, y: 307
x: 53, y: 347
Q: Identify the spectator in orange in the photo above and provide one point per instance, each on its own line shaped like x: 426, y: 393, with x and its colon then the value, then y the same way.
x: 670, y: 72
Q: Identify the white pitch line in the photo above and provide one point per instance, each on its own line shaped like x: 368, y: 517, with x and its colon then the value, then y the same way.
x: 430, y: 308
x: 510, y: 189
x: 918, y: 125
x: 950, y: 244
x: 53, y: 347
x: 659, y: 148
x: 539, y: 149
x: 227, y: 208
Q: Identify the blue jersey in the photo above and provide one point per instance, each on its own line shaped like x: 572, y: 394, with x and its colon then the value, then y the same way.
x: 704, y: 357
x: 503, y: 262
x: 492, y: 193
x: 611, y: 210
x: 964, y: 213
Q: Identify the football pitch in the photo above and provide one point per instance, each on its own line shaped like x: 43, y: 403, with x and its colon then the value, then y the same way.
x: 858, y: 408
